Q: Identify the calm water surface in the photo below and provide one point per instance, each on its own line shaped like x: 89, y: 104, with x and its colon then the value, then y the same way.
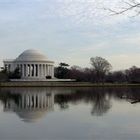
x: 70, y: 113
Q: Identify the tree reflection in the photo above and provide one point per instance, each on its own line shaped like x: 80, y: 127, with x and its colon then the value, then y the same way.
x: 101, y: 104
x: 62, y: 101
x: 98, y: 98
x: 30, y: 104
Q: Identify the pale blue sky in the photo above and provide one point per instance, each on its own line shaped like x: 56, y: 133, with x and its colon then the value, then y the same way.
x: 69, y: 31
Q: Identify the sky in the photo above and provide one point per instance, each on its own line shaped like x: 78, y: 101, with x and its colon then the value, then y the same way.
x: 70, y: 31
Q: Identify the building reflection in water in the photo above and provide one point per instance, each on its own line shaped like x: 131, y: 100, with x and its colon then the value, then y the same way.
x: 29, y: 104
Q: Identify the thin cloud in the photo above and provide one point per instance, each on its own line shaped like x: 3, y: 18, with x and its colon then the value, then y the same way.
x: 68, y: 30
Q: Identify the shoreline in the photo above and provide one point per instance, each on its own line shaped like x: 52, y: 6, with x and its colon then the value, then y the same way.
x: 63, y: 84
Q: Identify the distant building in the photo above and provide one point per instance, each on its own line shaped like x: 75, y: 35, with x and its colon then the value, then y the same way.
x: 32, y: 64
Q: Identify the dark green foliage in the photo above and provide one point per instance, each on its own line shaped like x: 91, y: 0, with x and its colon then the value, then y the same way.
x: 16, y: 74
x: 62, y: 71
x: 3, y: 76
x: 63, y: 65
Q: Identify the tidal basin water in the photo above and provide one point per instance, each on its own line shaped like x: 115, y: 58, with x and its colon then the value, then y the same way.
x: 70, y: 113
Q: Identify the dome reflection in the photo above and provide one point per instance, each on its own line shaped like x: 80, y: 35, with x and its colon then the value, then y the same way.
x: 30, y: 105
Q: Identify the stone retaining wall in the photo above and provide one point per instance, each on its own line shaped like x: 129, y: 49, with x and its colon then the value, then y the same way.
x: 43, y: 84
x: 58, y: 84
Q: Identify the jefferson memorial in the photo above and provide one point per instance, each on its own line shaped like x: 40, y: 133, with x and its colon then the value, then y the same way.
x: 33, y: 65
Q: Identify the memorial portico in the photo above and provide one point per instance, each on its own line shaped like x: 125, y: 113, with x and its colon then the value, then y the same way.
x: 32, y: 64
x: 36, y: 70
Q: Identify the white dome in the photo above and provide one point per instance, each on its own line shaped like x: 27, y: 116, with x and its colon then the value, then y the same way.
x: 31, y: 55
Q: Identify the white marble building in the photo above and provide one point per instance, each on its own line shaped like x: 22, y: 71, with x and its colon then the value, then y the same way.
x: 32, y: 64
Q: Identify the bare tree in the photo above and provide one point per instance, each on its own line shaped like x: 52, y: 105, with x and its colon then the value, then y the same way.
x: 101, y: 67
x: 129, y: 6
x: 133, y: 74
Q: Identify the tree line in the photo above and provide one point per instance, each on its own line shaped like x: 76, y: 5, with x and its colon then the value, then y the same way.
x: 100, y: 72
